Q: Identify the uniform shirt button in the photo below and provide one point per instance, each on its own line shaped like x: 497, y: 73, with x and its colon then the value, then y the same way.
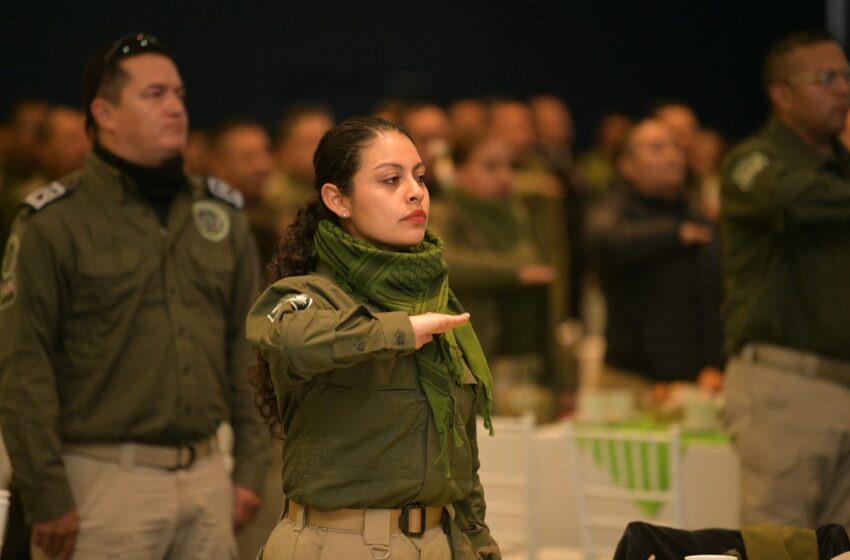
x: 400, y: 337
x: 360, y: 345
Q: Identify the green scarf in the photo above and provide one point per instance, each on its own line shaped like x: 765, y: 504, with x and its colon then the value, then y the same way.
x: 415, y: 281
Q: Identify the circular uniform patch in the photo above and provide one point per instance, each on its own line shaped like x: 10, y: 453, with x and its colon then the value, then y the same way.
x: 212, y: 220
x: 10, y: 256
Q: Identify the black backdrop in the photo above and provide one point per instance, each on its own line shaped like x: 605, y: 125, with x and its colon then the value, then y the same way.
x: 255, y: 58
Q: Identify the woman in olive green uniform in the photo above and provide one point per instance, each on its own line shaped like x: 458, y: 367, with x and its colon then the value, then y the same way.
x: 369, y: 369
x: 497, y: 267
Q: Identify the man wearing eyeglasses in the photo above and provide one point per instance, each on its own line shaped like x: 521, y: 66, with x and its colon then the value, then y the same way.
x: 124, y: 292
x: 785, y: 229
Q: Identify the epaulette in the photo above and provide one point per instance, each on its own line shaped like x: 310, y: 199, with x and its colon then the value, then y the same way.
x: 45, y: 195
x: 225, y: 192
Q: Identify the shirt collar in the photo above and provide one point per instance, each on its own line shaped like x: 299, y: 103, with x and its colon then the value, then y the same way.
x: 802, y: 152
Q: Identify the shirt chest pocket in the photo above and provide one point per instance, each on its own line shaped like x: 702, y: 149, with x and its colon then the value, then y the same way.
x: 379, y: 375
x: 108, y: 282
x: 209, y: 275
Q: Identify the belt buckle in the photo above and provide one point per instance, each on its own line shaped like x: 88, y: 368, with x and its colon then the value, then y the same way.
x: 404, y: 520
x: 190, y: 460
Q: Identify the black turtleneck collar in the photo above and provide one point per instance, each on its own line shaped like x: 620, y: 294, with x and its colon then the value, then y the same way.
x: 158, y: 185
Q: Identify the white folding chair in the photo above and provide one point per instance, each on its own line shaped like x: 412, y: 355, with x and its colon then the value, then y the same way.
x: 621, y: 476
x: 507, y: 475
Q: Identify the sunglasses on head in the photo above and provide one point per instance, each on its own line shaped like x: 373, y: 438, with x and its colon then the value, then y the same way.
x: 107, y: 63
x: 131, y: 45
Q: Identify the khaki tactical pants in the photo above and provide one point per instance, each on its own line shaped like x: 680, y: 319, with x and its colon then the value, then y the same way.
x: 139, y: 513
x: 792, y: 435
x: 294, y: 540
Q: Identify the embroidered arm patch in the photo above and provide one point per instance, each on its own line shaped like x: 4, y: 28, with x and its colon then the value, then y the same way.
x: 747, y: 169
x: 290, y: 304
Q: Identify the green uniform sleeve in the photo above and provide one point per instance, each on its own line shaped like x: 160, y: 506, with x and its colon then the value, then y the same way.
x: 321, y: 338
x: 470, y: 511
x: 761, y: 189
x: 29, y: 404
x: 251, y: 446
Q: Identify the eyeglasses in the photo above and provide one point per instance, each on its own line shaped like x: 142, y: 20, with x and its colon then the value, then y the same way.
x: 131, y: 45
x: 823, y: 78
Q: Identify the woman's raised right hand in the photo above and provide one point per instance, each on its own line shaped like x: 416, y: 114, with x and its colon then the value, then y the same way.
x: 425, y: 326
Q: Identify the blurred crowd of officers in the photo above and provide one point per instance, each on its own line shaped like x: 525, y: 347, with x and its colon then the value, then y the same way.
x: 529, y: 226
x: 531, y: 231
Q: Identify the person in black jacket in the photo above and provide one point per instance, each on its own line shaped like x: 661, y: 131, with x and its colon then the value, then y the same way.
x: 657, y: 262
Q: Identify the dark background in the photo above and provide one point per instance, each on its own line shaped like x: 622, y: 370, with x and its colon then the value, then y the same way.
x: 256, y: 58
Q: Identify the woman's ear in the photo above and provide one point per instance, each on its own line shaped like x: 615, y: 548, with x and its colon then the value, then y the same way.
x: 335, y: 201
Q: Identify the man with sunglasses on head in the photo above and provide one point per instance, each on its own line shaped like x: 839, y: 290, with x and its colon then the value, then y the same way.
x: 785, y: 231
x: 124, y: 292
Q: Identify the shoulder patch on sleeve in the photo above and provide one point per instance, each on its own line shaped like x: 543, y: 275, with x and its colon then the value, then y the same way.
x: 746, y: 169
x: 225, y: 192
x: 45, y: 195
x: 289, y: 304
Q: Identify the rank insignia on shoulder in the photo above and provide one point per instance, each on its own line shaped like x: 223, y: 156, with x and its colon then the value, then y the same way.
x: 289, y: 304
x: 45, y: 195
x: 225, y: 192
x: 747, y: 169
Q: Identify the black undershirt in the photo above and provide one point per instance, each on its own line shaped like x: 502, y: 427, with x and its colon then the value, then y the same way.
x: 158, y: 185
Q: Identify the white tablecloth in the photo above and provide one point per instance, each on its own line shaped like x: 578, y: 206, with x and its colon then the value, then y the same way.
x: 710, y: 488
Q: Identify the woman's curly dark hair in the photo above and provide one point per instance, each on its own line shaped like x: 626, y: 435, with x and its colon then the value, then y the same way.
x: 336, y: 161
